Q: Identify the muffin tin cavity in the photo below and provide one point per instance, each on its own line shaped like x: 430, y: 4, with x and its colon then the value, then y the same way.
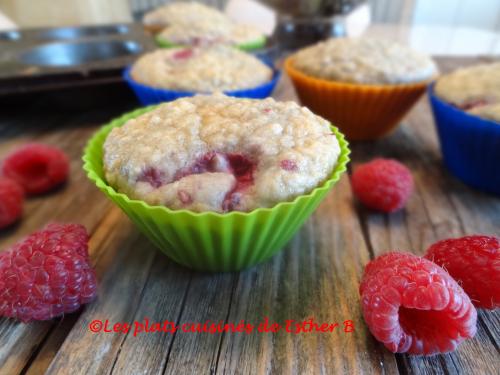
x: 66, y: 33
x: 48, y: 59
x: 10, y: 36
x: 68, y: 54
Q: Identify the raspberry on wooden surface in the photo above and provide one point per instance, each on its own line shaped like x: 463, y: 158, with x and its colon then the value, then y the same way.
x: 37, y: 167
x: 11, y: 202
x: 474, y: 262
x: 382, y: 184
x: 47, y: 274
x: 413, y: 306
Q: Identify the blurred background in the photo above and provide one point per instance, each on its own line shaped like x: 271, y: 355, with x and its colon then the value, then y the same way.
x: 448, y: 27
x: 49, y: 46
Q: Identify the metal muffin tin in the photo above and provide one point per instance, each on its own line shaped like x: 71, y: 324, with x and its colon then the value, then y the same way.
x: 51, y: 58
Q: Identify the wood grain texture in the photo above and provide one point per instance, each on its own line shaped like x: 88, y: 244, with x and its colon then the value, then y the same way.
x: 316, y: 276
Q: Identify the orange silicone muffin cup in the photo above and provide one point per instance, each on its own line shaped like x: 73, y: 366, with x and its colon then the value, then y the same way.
x: 361, y: 111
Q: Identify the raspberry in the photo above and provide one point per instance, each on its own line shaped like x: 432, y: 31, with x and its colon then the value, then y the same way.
x: 382, y: 184
x: 183, y: 54
x: 474, y: 261
x: 412, y: 305
x: 152, y: 176
x: 239, y: 165
x: 11, y: 202
x: 289, y: 165
x: 47, y: 274
x: 36, y: 167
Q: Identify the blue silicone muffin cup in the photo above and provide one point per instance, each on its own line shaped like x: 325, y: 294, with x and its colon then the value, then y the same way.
x: 470, y: 145
x: 148, y: 95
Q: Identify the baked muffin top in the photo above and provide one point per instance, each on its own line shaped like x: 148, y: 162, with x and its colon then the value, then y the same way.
x: 364, y: 61
x: 475, y: 89
x: 490, y: 112
x: 206, y: 33
x: 186, y: 13
x: 219, y: 153
x: 192, y: 23
x: 217, y: 68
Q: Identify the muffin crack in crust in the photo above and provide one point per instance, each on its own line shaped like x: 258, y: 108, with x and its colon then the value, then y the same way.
x: 217, y: 153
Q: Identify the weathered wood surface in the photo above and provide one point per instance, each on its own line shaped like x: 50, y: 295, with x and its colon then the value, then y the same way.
x: 316, y: 276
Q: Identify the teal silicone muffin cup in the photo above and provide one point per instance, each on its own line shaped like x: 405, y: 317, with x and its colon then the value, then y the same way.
x: 211, y: 241
x: 247, y: 46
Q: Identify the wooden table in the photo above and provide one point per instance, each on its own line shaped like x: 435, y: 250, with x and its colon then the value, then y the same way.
x: 316, y: 275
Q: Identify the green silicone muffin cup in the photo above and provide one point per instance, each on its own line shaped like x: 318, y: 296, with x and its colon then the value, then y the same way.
x: 247, y: 46
x: 211, y: 241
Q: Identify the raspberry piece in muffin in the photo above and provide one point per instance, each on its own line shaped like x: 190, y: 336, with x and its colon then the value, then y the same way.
x: 183, y: 54
x: 152, y: 176
x: 472, y: 104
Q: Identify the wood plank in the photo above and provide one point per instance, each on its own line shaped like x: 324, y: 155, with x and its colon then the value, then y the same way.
x: 59, y: 206
x: 440, y: 220
x: 123, y: 266
x: 40, y: 361
x: 208, y: 300
x: 18, y: 343
x: 19, y: 340
x: 164, y: 299
x: 316, y: 276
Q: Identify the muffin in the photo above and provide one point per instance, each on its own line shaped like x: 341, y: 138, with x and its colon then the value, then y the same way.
x: 242, y: 36
x: 186, y: 13
x: 466, y: 108
x: 202, y: 70
x: 221, y: 156
x: 363, y: 85
x: 193, y: 24
x: 474, y: 89
x: 169, y: 74
x: 488, y: 111
x: 217, y: 153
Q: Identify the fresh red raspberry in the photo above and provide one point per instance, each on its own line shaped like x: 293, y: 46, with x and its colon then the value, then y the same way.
x: 382, y: 184
x: 47, y: 274
x: 413, y: 306
x: 474, y: 261
x: 11, y: 202
x: 38, y: 168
